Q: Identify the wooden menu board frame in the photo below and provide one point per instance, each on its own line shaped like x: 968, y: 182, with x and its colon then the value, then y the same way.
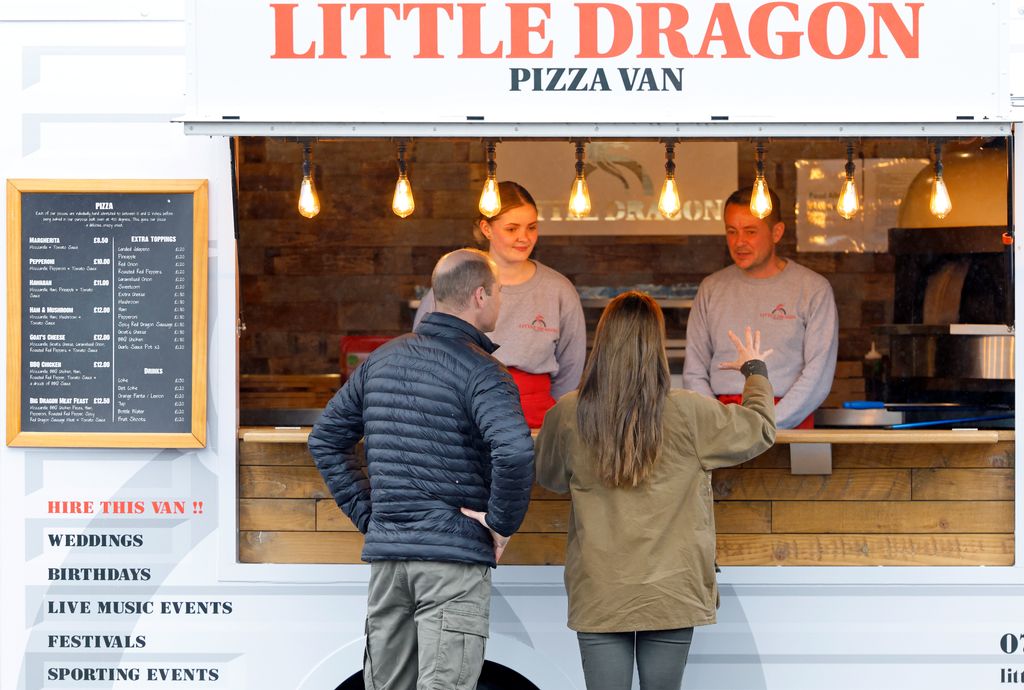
x: 196, y: 437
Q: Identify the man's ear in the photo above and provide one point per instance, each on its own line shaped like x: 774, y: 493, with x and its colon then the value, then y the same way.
x: 778, y: 230
x: 479, y: 297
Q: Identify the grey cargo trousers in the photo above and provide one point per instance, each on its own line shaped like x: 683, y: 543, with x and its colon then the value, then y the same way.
x: 426, y: 625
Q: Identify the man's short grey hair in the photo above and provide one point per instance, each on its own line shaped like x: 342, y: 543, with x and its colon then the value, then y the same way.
x: 458, y: 274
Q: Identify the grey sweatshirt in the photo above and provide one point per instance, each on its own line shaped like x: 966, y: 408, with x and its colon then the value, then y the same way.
x: 540, y: 328
x: 796, y: 314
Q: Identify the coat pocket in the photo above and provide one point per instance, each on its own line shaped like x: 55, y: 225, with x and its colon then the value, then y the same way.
x: 460, y: 651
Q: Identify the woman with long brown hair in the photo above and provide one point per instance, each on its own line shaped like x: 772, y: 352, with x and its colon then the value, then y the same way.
x: 636, y: 458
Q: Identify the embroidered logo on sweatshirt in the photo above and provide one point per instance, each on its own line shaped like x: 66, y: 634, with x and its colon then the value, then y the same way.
x: 538, y: 324
x: 778, y: 314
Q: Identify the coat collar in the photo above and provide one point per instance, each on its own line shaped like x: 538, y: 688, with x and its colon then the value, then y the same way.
x: 441, y: 325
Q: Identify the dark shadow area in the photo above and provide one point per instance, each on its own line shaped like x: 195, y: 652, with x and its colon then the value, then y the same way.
x: 493, y: 677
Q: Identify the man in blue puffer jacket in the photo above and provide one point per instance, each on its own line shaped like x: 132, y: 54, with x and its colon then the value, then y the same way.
x: 449, y: 468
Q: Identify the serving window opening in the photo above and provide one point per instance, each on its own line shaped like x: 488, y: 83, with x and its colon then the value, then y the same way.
x: 929, y: 293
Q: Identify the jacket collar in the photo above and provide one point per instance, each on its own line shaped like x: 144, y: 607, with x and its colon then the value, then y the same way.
x: 441, y: 325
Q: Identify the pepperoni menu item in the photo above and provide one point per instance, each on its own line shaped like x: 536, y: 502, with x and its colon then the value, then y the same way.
x: 108, y: 323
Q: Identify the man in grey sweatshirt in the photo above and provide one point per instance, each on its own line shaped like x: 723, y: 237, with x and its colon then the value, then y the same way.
x: 792, y: 306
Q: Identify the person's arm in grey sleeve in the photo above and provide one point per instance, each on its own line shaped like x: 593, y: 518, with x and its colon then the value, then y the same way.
x: 332, y: 444
x: 699, y: 349
x: 821, y: 344
x: 427, y: 305
x: 494, y: 401
x: 571, y: 348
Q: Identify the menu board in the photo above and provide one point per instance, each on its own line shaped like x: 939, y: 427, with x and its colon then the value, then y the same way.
x: 107, y: 313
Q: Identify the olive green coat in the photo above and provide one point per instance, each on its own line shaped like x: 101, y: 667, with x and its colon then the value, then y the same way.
x: 644, y: 558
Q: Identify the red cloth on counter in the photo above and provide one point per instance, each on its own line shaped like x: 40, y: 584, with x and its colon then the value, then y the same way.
x: 534, y: 394
x: 738, y: 399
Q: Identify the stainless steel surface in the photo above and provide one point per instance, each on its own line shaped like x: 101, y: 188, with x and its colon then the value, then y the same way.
x: 830, y: 417
x: 952, y: 356
x: 996, y: 329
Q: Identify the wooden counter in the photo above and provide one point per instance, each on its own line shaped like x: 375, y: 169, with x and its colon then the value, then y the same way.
x: 263, y: 434
x: 908, y: 497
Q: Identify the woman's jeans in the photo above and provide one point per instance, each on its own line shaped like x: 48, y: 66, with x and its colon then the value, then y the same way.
x: 660, y: 658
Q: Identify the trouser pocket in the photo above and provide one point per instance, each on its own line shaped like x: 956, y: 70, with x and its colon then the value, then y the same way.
x: 460, y: 651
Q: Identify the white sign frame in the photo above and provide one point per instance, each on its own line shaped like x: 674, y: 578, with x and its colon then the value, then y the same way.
x: 258, y: 76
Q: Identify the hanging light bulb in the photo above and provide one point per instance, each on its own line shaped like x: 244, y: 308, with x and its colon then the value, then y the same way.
x: 848, y: 204
x: 579, y: 198
x: 402, y: 203
x: 668, y: 203
x: 309, y: 202
x: 490, y: 198
x: 940, y: 204
x: 760, y: 199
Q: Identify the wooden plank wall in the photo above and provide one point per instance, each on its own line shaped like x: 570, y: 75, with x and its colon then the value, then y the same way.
x: 275, y: 391
x: 353, y: 269
x: 882, y: 505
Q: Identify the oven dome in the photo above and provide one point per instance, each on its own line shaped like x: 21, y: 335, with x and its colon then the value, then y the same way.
x: 976, y: 176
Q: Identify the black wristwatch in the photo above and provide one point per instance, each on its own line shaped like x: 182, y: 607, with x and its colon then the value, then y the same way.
x: 754, y: 366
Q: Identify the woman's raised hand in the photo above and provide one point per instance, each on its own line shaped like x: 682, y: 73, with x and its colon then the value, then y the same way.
x: 745, y: 351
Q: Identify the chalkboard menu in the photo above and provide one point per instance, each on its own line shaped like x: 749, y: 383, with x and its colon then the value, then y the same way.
x: 107, y: 313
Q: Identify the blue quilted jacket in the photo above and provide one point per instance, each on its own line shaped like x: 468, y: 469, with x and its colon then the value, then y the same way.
x: 443, y: 428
